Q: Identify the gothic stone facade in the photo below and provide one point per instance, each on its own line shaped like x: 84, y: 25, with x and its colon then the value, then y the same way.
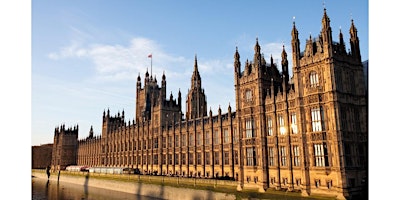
x: 307, y: 132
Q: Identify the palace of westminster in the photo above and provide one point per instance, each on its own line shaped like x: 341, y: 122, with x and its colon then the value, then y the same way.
x: 307, y: 132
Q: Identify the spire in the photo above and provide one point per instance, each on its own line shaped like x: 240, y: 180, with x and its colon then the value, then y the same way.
x: 196, y: 79
x: 237, y: 63
x: 353, y: 30
x: 326, y: 32
x: 179, y: 98
x: 91, y: 132
x: 272, y: 61
x: 257, y: 47
x: 295, y: 45
x: 341, y: 41
x: 257, y: 53
x: 325, y: 21
x: 284, y: 63
x: 354, y: 42
x: 195, y: 64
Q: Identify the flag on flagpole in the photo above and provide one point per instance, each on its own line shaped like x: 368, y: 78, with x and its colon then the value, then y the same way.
x: 150, y: 56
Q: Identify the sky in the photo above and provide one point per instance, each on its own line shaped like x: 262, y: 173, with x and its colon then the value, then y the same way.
x: 67, y: 62
x: 87, y: 55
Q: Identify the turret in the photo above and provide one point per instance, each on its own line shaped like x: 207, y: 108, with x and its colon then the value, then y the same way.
x: 196, y: 104
x: 284, y: 63
x: 146, y: 78
x: 196, y: 79
x: 326, y: 34
x: 295, y: 46
x: 237, y: 63
x: 91, y: 132
x: 163, y: 87
x: 257, y: 55
x: 180, y: 99
x: 354, y: 42
x: 342, y: 46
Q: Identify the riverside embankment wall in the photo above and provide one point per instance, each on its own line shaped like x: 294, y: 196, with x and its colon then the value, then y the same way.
x: 140, y: 185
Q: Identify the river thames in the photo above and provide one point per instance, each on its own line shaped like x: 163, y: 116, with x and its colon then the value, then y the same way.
x: 43, y: 189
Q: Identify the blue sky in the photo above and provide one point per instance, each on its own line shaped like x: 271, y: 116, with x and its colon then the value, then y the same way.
x: 86, y: 55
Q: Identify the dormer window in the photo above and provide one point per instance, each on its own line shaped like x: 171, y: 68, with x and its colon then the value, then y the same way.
x: 314, y: 82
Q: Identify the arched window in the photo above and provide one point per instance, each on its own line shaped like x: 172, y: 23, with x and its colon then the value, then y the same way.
x: 314, y: 82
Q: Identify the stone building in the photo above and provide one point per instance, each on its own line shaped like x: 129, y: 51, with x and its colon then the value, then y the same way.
x: 65, y: 147
x: 307, y: 132
x: 41, y: 156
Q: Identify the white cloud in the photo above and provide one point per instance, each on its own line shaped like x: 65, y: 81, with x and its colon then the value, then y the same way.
x: 119, y: 62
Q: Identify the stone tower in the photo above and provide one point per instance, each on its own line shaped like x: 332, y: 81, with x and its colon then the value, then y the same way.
x: 196, y: 103
x: 330, y: 97
x: 251, y: 87
x: 64, y: 147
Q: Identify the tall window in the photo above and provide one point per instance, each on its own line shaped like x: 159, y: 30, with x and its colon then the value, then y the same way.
x: 183, y: 159
x: 170, y: 159
x: 207, y: 154
x: 156, y: 143
x: 251, y: 156
x: 176, y: 158
x: 271, y: 158
x: 282, y: 150
x: 164, y: 159
x: 317, y: 118
x: 249, y: 128
x: 236, y: 157
x: 191, y: 139
x: 282, y: 129
x: 269, y: 126
x: 199, y: 139
x: 226, y: 157
x: 176, y: 140
x: 169, y: 141
x: 226, y: 136
x: 198, y: 158
x: 184, y: 140
x: 249, y: 95
x: 149, y: 159
x: 314, y: 82
x: 235, y: 135
x: 190, y: 158
x: 164, y: 142
x: 296, y: 153
x: 155, y: 159
x: 321, y: 155
x: 216, y: 137
x: 216, y: 158
x: 208, y: 137
x: 294, y: 123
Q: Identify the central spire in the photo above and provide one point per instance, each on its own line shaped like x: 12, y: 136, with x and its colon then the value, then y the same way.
x: 196, y: 79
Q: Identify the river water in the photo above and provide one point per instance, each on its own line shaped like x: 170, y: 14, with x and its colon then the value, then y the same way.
x: 43, y: 189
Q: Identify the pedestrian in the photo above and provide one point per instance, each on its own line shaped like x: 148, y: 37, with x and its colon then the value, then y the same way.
x: 48, y: 172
